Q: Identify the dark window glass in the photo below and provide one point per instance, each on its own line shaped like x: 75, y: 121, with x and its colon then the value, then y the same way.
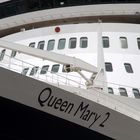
x: 24, y: 72
x: 50, y: 45
x: 72, y: 43
x: 13, y: 54
x: 61, y: 44
x: 2, y: 54
x: 124, y: 44
x: 128, y: 68
x: 83, y: 42
x: 138, y: 42
x: 110, y: 90
x: 136, y: 93
x: 108, y: 67
x: 44, y: 69
x: 105, y: 41
x: 123, y: 92
x: 32, y: 45
x: 55, y: 68
x: 34, y: 70
x: 41, y: 45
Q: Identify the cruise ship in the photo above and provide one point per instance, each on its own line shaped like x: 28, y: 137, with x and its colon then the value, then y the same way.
x: 69, y: 69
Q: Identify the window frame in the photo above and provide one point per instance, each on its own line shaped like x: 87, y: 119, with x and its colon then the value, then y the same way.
x: 40, y: 43
x: 53, y: 68
x: 34, y: 71
x: 32, y: 43
x: 81, y: 42
x: 104, y: 40
x: 59, y: 46
x: 122, y: 39
x: 2, y: 54
x: 110, y: 68
x: 70, y: 42
x: 138, y: 42
x: 52, y: 47
x: 136, y: 95
x: 44, y: 71
x: 25, y: 71
x: 13, y: 54
x: 112, y: 91
x: 130, y: 70
x: 123, y: 93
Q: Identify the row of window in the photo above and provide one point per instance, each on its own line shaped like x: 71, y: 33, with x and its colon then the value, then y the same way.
x: 123, y: 41
x: 44, y: 69
x: 55, y: 69
x: 123, y: 92
x: 72, y: 44
x: 83, y: 43
x: 109, y: 67
x: 61, y: 44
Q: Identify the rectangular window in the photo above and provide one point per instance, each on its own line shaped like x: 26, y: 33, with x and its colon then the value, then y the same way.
x: 50, y: 45
x: 123, y: 41
x: 13, y: 54
x: 32, y: 45
x: 72, y: 43
x: 44, y: 69
x: 136, y: 93
x: 41, y: 45
x: 105, y: 40
x: 138, y: 42
x: 34, y: 70
x: 108, y: 67
x: 128, y: 68
x: 55, y: 68
x: 61, y: 44
x: 110, y: 90
x: 24, y: 72
x: 83, y: 42
x: 2, y: 54
x: 123, y: 92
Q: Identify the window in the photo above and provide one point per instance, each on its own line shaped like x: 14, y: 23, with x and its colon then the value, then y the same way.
x: 32, y: 45
x: 34, y: 70
x: 124, y: 44
x: 61, y: 44
x: 83, y: 42
x: 13, y: 54
x: 110, y: 90
x: 24, y: 72
x: 44, y: 69
x: 136, y: 93
x: 55, y: 68
x: 41, y: 45
x: 138, y: 42
x: 2, y: 54
x: 72, y: 43
x: 50, y: 45
x: 123, y: 92
x: 105, y: 40
x: 108, y: 67
x: 128, y: 68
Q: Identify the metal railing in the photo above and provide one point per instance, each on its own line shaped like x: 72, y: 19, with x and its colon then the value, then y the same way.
x: 18, y: 66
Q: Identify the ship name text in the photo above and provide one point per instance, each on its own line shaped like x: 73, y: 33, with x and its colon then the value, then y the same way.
x: 80, y: 110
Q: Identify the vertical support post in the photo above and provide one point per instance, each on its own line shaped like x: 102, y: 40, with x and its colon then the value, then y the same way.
x: 100, y: 80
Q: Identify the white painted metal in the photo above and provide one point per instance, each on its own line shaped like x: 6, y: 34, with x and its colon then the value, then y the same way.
x: 62, y: 59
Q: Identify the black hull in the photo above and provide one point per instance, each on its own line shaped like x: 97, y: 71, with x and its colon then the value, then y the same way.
x: 20, y: 122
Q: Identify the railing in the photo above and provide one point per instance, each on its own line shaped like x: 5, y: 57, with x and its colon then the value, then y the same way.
x: 18, y: 66
x: 15, y: 7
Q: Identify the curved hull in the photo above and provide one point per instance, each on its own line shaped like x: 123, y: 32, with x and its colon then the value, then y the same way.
x: 20, y: 122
